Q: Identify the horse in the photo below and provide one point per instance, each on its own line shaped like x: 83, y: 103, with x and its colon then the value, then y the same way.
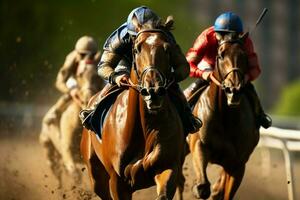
x: 61, y: 141
x: 229, y: 133
x: 142, y: 141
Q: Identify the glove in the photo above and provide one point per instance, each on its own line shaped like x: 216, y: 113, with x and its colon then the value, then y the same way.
x: 121, y: 79
x: 118, y: 78
x: 206, y: 75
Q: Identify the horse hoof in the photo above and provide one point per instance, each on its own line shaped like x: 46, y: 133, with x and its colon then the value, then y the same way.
x: 201, y: 191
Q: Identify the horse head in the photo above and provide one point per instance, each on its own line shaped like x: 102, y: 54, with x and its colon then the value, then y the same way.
x: 152, y: 67
x: 231, y: 67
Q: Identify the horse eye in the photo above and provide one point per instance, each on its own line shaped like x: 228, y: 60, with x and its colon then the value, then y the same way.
x: 166, y: 47
x: 137, y: 48
x: 221, y: 56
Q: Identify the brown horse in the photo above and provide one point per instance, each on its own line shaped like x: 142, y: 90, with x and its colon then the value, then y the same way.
x: 142, y: 138
x: 61, y: 141
x: 229, y: 133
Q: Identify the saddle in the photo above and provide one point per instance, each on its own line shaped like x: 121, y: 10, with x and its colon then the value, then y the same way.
x: 97, y: 117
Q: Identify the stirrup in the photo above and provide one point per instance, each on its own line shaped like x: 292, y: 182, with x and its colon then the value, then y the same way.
x: 85, y: 116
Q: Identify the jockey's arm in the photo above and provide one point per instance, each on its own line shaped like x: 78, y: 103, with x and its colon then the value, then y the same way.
x: 108, y: 62
x: 254, y: 68
x: 67, y: 70
x: 195, y: 55
x: 97, y: 57
x: 180, y: 64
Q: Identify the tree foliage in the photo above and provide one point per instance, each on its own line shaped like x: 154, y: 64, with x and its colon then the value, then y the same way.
x: 36, y: 35
x: 289, y: 102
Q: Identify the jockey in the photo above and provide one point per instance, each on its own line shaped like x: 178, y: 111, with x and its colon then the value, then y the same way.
x: 116, y: 61
x: 202, y: 58
x: 86, y: 50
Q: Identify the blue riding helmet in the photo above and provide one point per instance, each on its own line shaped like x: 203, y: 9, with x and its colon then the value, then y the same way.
x: 228, y: 22
x: 143, y: 15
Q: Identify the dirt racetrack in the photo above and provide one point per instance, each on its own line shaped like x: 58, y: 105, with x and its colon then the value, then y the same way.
x: 25, y: 175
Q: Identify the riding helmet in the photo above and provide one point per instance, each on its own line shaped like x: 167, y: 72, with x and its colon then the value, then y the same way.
x: 86, y: 44
x: 143, y: 15
x: 228, y: 22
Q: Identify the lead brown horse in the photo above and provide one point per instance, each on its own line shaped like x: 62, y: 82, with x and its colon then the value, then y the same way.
x: 142, y: 140
x: 229, y: 133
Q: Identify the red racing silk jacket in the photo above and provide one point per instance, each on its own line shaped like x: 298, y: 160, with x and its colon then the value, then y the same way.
x: 205, y: 49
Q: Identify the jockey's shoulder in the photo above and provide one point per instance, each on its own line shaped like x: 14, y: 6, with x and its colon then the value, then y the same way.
x: 209, y: 32
x: 117, y: 38
x: 207, y: 36
x: 71, y: 59
x: 72, y: 55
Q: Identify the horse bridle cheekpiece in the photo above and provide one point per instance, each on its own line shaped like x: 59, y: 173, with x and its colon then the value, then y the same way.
x: 234, y: 69
x: 161, y: 90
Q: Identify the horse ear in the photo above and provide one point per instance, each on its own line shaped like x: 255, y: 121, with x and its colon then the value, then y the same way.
x: 136, y: 24
x: 169, y: 22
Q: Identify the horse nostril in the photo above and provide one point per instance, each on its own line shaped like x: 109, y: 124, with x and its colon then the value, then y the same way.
x: 161, y: 91
x: 228, y: 90
x: 234, y: 90
x: 144, y: 92
x: 151, y: 91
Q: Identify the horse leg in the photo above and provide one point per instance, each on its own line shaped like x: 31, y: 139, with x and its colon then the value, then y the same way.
x: 233, y: 181
x: 53, y: 159
x: 119, y: 190
x: 97, y: 173
x: 180, y: 186
x: 218, y: 187
x: 199, y: 157
x: 166, y: 184
x: 68, y: 132
x: 228, y: 183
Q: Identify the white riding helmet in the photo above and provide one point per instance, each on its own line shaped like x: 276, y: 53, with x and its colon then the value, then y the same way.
x: 86, y: 45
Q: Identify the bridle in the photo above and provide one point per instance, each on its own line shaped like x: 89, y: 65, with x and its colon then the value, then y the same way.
x: 234, y: 69
x: 167, y: 82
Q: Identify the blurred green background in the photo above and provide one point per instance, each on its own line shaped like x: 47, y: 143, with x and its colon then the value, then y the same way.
x: 36, y: 35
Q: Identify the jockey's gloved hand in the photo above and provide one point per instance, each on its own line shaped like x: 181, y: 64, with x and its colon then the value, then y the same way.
x: 118, y: 78
x: 206, y: 75
x: 122, y: 79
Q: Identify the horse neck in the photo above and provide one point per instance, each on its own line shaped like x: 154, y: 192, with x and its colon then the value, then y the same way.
x: 217, y: 98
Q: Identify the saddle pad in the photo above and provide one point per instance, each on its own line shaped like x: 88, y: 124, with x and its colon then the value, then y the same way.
x: 103, y: 107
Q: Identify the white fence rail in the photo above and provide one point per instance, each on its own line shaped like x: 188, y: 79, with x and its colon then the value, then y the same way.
x: 287, y: 141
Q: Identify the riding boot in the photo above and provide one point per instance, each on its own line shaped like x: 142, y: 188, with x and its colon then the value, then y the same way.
x: 261, y: 117
x: 57, y: 109
x: 192, y: 88
x: 190, y: 122
x: 86, y: 114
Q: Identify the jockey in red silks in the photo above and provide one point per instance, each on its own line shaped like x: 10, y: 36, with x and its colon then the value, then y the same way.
x: 202, y: 58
